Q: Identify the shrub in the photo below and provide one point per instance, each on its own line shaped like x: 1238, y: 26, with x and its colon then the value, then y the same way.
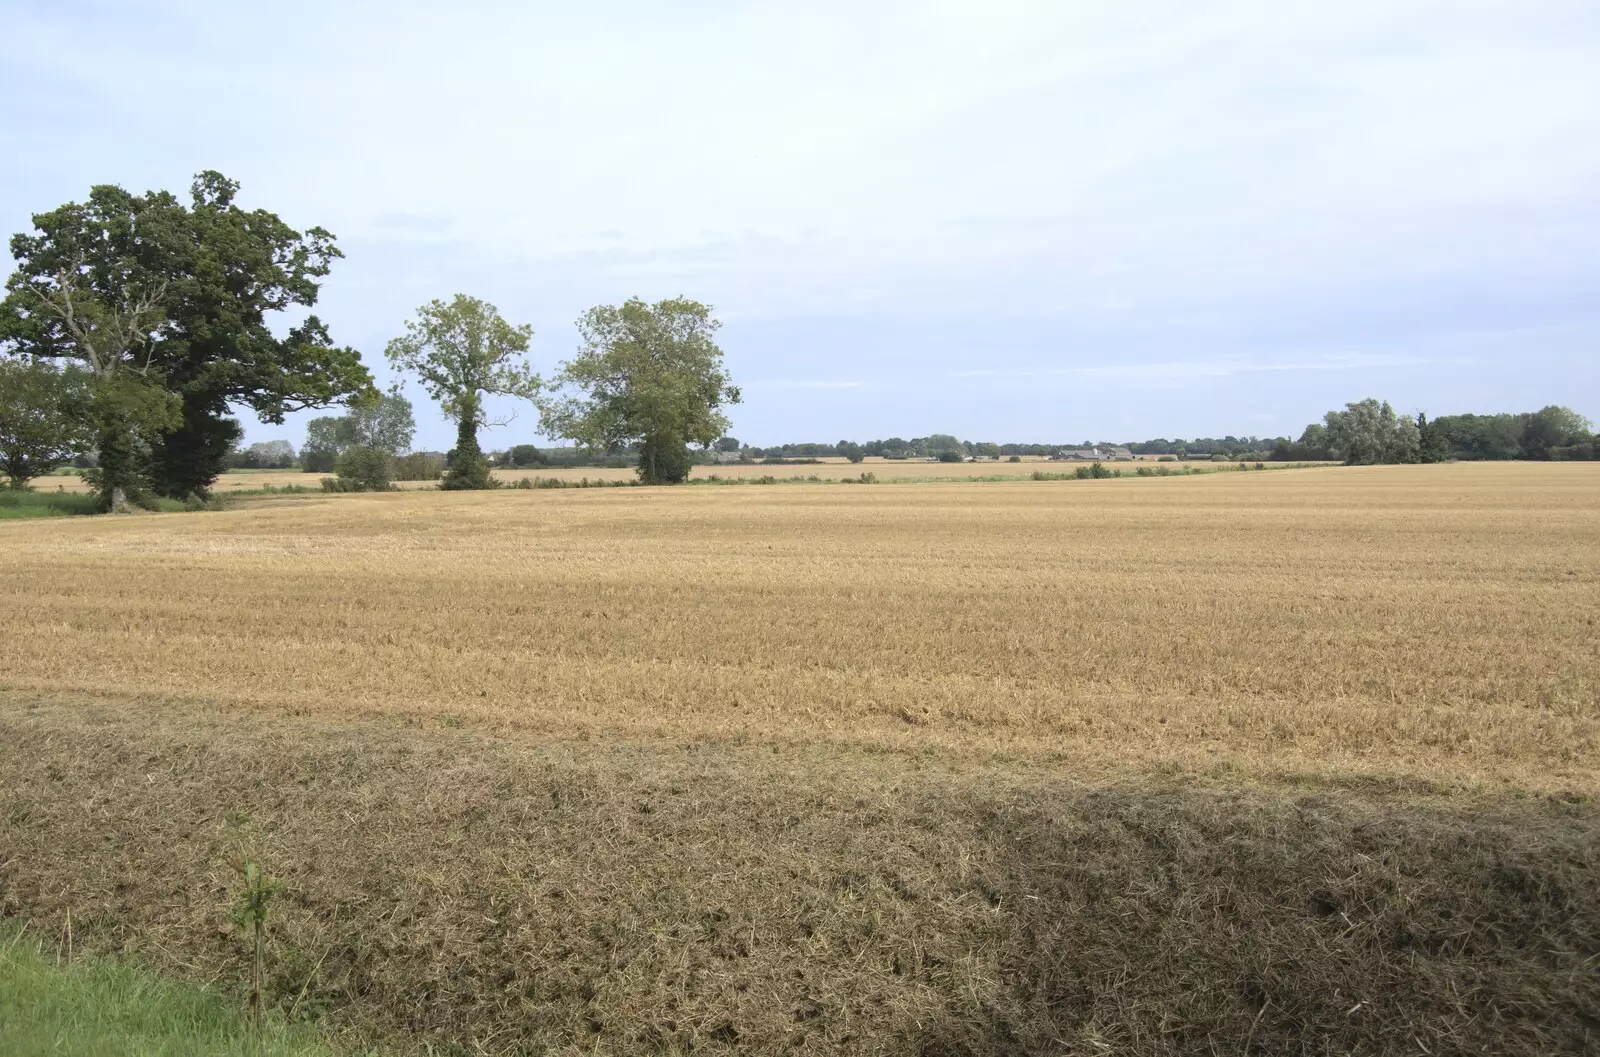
x: 664, y: 460
x: 467, y: 467
x: 1219, y: 457
x: 1015, y: 458
x: 530, y: 483
x: 1167, y: 458
x: 419, y: 466
x: 950, y: 456
x: 362, y: 469
x: 524, y: 455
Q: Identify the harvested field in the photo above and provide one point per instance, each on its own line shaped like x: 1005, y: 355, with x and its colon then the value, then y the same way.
x: 831, y: 469
x: 1286, y: 762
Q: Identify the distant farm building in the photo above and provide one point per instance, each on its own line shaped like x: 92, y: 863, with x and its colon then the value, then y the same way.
x: 1095, y: 454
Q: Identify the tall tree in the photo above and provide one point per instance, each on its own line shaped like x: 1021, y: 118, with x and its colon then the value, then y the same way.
x: 176, y: 300
x: 1552, y: 427
x: 91, y: 286
x: 646, y: 374
x: 383, y: 423
x: 231, y: 273
x: 1370, y: 432
x: 43, y: 417
x: 1432, y: 445
x: 324, y: 443
x: 462, y: 351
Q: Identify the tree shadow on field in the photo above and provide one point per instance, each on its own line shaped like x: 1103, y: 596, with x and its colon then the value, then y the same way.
x: 1179, y: 922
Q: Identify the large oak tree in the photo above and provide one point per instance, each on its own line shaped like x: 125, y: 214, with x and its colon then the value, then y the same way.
x: 195, y: 289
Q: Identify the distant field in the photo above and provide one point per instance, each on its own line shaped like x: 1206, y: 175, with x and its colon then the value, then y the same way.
x: 936, y: 768
x: 829, y: 469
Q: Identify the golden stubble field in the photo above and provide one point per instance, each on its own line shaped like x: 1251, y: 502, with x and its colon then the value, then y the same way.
x: 832, y: 469
x: 1288, y: 762
x: 1436, y: 623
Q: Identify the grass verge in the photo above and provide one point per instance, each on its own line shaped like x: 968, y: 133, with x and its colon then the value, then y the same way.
x: 100, y: 1007
x: 19, y: 503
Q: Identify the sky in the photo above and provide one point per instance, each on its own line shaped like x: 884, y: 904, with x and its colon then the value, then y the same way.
x: 1006, y: 220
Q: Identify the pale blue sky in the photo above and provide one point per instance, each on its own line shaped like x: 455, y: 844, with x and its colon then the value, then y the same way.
x: 1006, y: 220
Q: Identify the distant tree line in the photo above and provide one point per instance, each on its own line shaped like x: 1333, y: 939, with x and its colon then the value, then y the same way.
x: 134, y: 327
x: 1371, y: 432
x: 947, y: 446
x: 1366, y: 432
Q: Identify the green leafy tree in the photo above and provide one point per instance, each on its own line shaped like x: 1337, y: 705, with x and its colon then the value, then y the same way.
x: 89, y: 287
x: 850, y: 450
x: 1370, y: 432
x: 323, y: 445
x: 1482, y: 436
x: 202, y: 283
x: 419, y: 466
x: 1553, y: 427
x: 266, y: 455
x: 233, y: 273
x: 525, y: 455
x: 727, y: 445
x: 363, y: 469
x: 44, y: 418
x: 1432, y: 444
x: 383, y: 422
x: 462, y: 351
x: 649, y: 375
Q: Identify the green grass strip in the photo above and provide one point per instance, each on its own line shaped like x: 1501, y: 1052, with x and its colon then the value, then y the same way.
x: 99, y: 1007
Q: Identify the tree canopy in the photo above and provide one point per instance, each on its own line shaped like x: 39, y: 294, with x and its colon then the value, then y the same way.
x: 461, y: 351
x: 235, y: 271
x: 148, y: 292
x: 1370, y: 432
x: 649, y: 375
x: 383, y: 423
x: 91, y: 287
x: 42, y: 419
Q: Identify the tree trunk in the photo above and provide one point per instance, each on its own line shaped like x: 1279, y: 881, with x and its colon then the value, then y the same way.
x: 469, y: 468
x: 117, y: 470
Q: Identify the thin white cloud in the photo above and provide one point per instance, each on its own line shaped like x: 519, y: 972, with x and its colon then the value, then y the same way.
x: 1215, y: 368
x: 1214, y: 195
x: 800, y: 383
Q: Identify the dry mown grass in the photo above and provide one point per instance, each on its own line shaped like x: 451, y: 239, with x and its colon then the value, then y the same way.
x: 1293, y: 762
x: 521, y: 896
